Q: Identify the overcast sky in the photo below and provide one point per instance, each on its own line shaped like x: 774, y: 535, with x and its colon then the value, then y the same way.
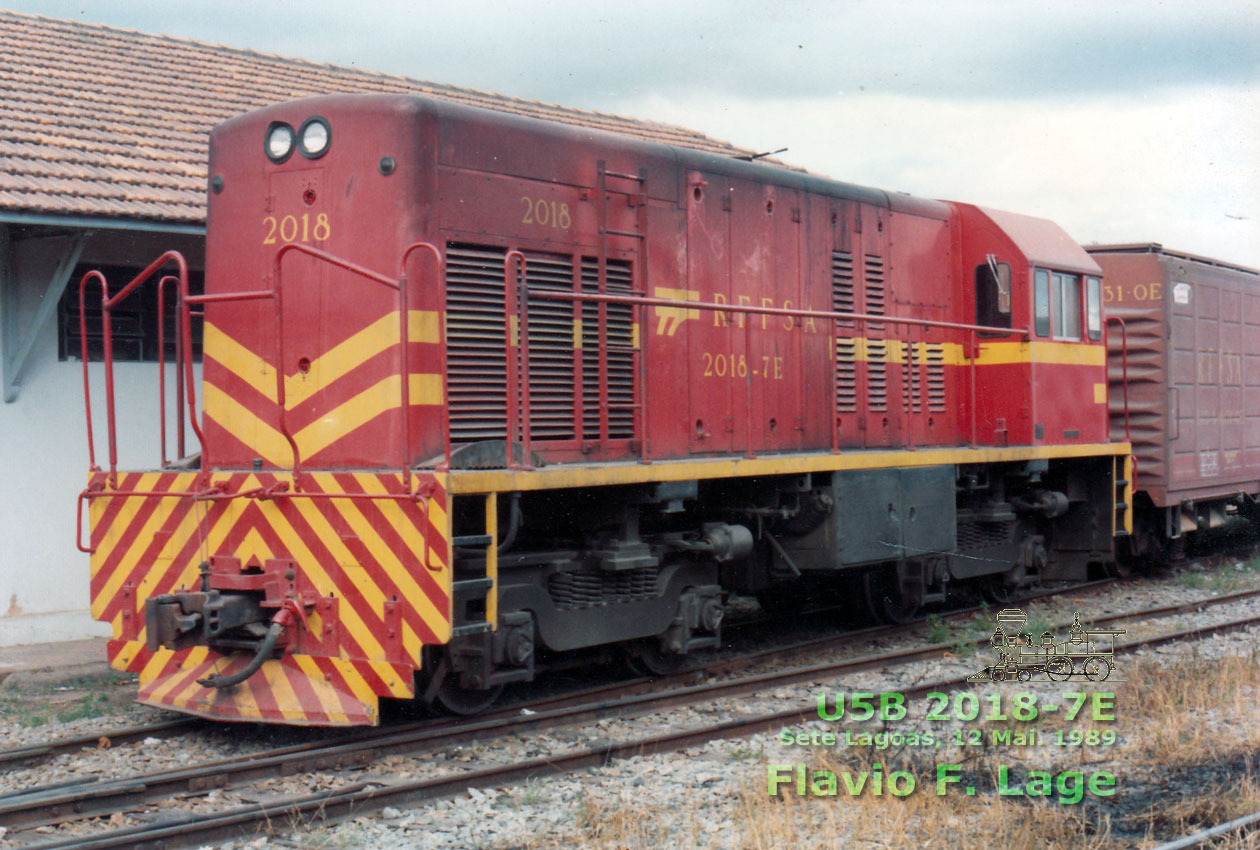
x: 1129, y: 121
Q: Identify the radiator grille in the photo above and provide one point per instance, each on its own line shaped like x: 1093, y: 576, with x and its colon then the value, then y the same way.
x: 477, y: 361
x: 551, y: 369
x: 620, y: 360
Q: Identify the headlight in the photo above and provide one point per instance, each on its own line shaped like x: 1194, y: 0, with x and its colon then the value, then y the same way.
x: 279, y: 141
x: 314, y: 137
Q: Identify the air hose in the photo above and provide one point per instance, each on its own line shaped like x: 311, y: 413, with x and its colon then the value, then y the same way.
x: 274, y: 631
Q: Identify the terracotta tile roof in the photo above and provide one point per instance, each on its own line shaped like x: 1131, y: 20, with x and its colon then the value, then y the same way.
x: 97, y: 121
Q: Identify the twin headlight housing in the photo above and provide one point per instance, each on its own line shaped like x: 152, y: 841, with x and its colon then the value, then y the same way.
x: 311, y: 140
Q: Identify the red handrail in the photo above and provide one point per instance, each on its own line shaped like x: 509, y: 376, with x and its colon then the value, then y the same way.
x: 516, y: 307
x: 107, y: 305
x: 400, y: 284
x: 832, y: 317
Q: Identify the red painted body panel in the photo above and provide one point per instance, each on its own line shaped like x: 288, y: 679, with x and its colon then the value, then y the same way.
x: 717, y: 231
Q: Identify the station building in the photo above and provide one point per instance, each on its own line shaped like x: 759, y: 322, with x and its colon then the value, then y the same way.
x: 103, y: 146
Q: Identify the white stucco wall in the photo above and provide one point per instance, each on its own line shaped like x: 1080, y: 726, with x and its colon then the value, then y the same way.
x: 44, y: 464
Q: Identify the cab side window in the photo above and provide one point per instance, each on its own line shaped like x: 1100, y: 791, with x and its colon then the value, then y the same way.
x: 993, y: 296
x: 1066, y: 291
x: 1041, y: 302
x: 1093, y: 307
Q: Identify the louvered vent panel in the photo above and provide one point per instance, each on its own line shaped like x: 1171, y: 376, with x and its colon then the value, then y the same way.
x: 475, y: 359
x: 846, y: 375
x: 874, y: 293
x: 842, y: 295
x: 876, y: 350
x: 620, y: 361
x: 935, y: 355
x: 909, y: 386
x: 551, y: 371
x: 877, y: 374
x: 842, y: 301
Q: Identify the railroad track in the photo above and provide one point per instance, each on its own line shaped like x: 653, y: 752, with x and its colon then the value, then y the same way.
x: 58, y: 804
x: 31, y: 754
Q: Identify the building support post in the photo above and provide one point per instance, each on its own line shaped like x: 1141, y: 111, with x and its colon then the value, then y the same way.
x: 18, y: 350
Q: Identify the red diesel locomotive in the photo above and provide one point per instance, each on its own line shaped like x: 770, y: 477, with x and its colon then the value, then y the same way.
x: 479, y: 388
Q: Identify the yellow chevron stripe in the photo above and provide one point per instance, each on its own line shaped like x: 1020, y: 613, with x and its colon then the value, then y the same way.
x: 358, y: 686
x: 240, y: 361
x: 343, y: 358
x: 426, y: 388
x: 139, y: 544
x: 350, y: 618
x: 269, y: 444
x: 411, y: 641
x: 325, y: 693
x: 122, y: 520
x: 399, y: 573
x: 286, y: 698
x: 354, y: 413
x: 126, y: 653
x: 423, y: 326
x: 265, y: 441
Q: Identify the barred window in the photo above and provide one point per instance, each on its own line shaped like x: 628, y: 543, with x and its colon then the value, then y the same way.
x: 135, y: 320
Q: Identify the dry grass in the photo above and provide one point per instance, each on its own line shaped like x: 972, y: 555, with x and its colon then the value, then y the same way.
x: 1171, y: 717
x: 762, y: 822
x: 1191, y: 712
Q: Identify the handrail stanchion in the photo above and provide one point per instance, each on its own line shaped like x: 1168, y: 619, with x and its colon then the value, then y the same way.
x: 509, y: 358
x: 517, y: 360
x: 405, y: 336
x: 974, y: 345
x: 639, y: 341
x: 161, y: 313
x: 83, y: 349
x: 107, y: 306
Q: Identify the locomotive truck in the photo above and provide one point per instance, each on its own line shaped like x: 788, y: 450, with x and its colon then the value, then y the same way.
x: 479, y: 390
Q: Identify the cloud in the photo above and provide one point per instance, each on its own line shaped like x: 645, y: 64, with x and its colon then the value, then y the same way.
x: 1169, y: 167
x: 587, y: 54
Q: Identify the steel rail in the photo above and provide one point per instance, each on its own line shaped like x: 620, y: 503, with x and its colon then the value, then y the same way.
x: 35, y: 808
x: 1203, y: 835
x: 361, y: 797
x: 28, y: 753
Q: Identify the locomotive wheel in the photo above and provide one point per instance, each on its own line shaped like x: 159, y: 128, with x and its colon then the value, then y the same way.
x: 884, y: 598
x: 1098, y: 668
x: 449, y: 697
x: 645, y: 658
x: 453, y: 699
x: 1059, y: 669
